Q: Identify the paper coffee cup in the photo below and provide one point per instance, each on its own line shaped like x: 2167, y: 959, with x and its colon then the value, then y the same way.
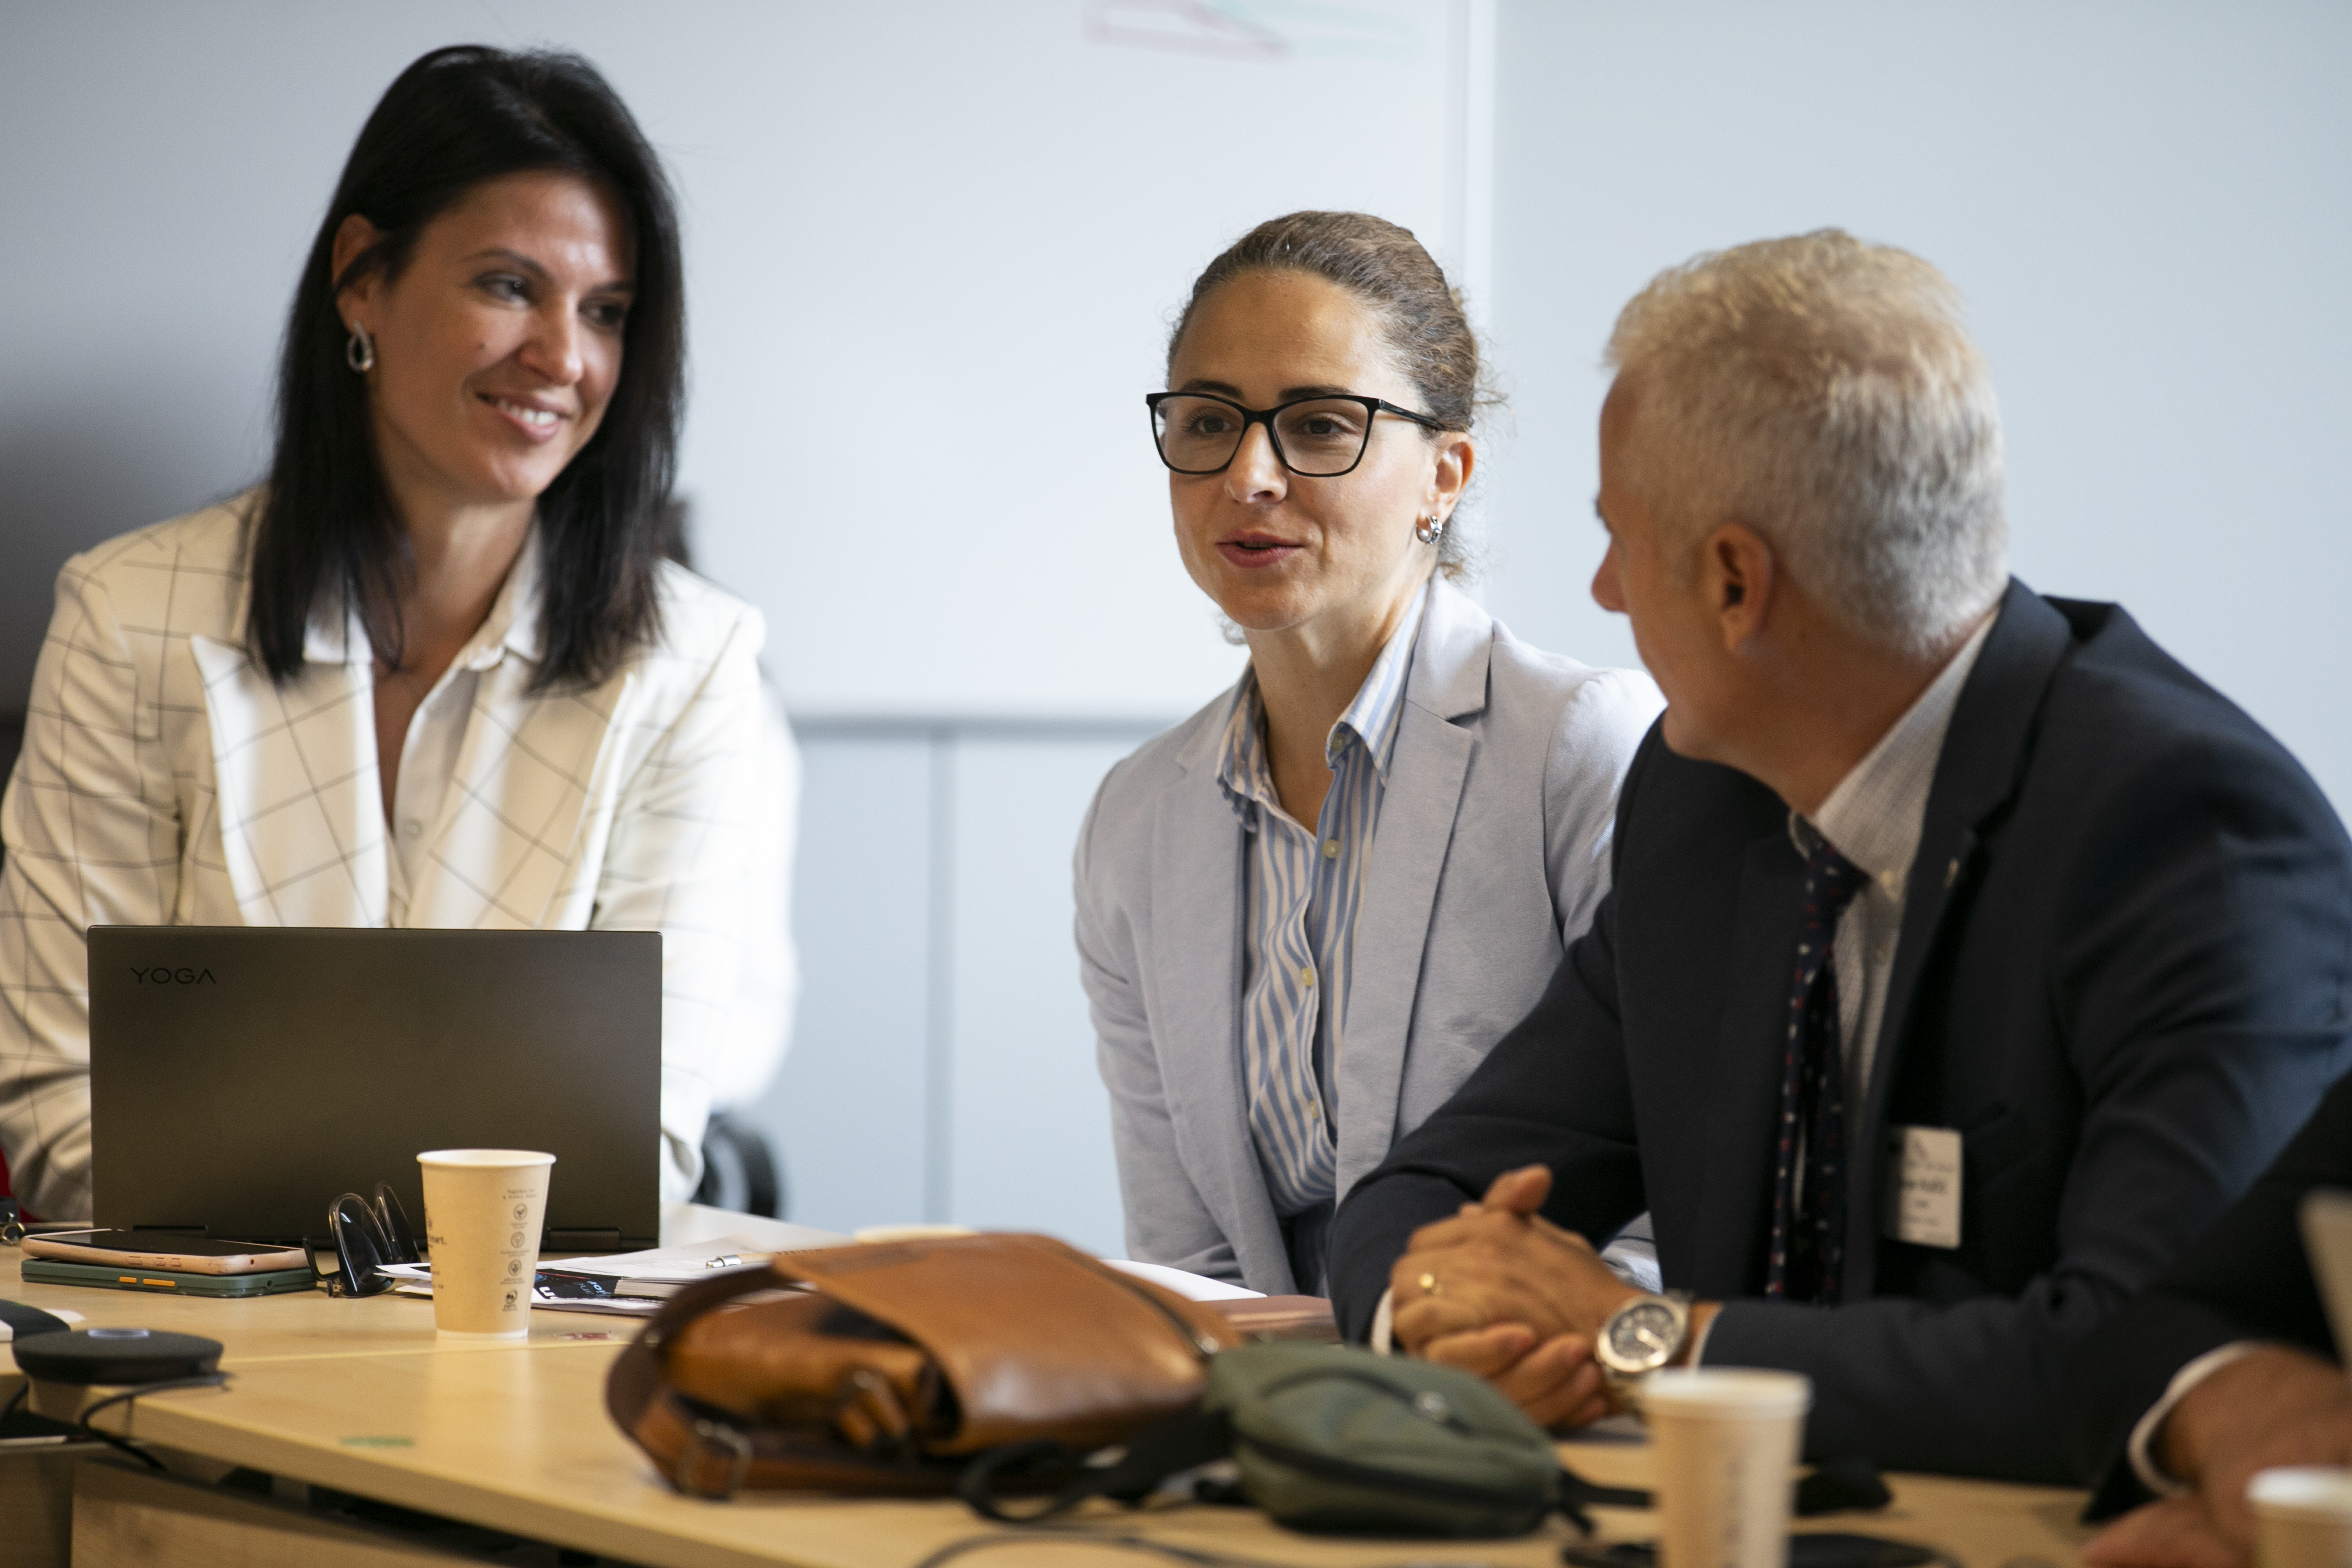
x: 1728, y: 1440
x: 2302, y: 1517
x: 484, y: 1209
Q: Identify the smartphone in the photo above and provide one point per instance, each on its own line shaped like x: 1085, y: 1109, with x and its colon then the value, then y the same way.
x: 166, y: 1250
x: 114, y: 1277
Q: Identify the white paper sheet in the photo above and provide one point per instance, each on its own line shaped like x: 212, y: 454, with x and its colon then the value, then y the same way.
x: 1192, y: 1287
x: 682, y: 1264
x: 678, y: 1265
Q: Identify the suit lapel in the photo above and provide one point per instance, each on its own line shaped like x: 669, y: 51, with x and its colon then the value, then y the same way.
x: 301, y: 813
x: 1985, y: 752
x: 1196, y: 941
x: 1742, y: 1089
x: 510, y: 821
x: 1418, y: 802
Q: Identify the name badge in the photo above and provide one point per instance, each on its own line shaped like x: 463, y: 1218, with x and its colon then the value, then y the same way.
x: 1923, y: 1186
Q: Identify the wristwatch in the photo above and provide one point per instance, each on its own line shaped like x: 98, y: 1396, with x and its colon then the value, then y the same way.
x: 1642, y: 1335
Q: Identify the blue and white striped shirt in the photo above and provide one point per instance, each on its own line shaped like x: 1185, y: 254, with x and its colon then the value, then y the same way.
x: 1300, y: 895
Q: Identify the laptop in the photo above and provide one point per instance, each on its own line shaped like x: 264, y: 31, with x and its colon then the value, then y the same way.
x: 243, y: 1078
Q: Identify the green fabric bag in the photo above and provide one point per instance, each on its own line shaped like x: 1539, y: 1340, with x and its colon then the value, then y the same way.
x: 1332, y: 1438
x: 1327, y: 1437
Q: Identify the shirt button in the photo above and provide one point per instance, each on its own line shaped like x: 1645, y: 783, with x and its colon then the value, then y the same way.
x: 412, y: 828
x: 1306, y: 974
x: 1331, y: 850
x: 1315, y: 1108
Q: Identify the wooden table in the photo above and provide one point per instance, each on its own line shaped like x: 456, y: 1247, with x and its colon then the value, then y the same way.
x: 361, y: 1396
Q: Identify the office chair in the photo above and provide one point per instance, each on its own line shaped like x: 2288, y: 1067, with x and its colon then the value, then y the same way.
x: 739, y: 1169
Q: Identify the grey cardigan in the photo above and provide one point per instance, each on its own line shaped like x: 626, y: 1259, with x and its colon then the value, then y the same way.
x: 1490, y: 854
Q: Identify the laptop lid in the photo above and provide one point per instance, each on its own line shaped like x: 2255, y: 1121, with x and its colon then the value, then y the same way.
x: 242, y: 1077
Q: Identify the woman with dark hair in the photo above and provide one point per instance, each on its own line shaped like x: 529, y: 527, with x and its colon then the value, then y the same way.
x: 435, y: 671
x: 1305, y: 912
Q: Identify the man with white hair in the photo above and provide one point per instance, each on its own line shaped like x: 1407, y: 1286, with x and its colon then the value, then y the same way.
x: 1966, y: 954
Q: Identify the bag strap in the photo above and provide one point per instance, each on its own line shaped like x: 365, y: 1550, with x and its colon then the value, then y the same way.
x: 1576, y: 1494
x: 706, y: 1452
x: 705, y: 1295
x: 1178, y: 1444
x: 1195, y: 1438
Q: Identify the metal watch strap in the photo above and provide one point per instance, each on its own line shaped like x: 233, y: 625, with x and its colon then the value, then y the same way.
x: 1684, y: 1301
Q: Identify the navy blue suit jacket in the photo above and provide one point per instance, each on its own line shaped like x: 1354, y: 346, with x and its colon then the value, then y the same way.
x: 2246, y: 1278
x: 2121, y: 976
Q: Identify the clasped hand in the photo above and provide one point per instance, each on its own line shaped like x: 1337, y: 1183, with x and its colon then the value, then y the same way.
x: 1501, y: 1291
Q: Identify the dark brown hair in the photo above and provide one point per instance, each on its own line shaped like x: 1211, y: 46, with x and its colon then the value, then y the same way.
x: 1386, y: 267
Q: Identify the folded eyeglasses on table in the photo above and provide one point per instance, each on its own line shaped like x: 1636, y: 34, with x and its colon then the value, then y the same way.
x: 366, y: 1236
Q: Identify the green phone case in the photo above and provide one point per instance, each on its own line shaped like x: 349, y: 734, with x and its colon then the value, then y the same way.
x: 164, y: 1281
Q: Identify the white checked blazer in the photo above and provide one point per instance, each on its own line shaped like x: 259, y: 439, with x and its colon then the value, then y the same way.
x: 165, y: 780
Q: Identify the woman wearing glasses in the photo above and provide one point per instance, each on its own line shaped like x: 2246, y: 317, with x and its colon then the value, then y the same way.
x: 1306, y: 912
x: 437, y: 670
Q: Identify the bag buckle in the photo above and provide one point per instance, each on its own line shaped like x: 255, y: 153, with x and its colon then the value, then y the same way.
x: 702, y: 1437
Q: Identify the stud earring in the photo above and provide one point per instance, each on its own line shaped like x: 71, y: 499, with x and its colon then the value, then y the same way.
x: 1428, y: 529
x: 359, y: 352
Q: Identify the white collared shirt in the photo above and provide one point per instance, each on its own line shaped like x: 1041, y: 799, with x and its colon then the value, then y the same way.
x: 437, y: 731
x: 2141, y: 1448
x: 1301, y: 892
x: 1876, y: 818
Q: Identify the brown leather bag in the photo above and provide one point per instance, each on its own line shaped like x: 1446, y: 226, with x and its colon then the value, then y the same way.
x: 899, y: 1363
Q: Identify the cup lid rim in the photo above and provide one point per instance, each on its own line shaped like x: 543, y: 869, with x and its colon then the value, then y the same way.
x: 1730, y: 1391
x: 2302, y: 1491
x: 481, y: 1159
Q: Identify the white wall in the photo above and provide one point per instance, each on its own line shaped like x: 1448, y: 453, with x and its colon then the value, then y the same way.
x: 944, y: 1068
x: 2144, y: 203
x: 931, y: 250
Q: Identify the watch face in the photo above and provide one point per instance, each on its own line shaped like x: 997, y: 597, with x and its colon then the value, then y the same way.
x: 1644, y: 1335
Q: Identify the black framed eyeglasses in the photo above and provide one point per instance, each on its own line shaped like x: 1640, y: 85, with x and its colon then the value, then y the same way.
x: 367, y: 1235
x: 1314, y: 437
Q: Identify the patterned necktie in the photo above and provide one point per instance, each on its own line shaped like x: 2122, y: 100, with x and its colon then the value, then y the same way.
x: 1809, y: 1217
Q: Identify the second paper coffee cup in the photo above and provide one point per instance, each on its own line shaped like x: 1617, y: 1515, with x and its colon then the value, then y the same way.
x: 483, y: 1212
x: 2302, y: 1516
x: 1728, y: 1440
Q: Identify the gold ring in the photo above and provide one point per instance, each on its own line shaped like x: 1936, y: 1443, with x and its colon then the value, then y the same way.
x: 1430, y: 1287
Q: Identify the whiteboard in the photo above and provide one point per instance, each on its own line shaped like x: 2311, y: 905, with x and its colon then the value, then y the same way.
x: 896, y: 213
x: 906, y: 215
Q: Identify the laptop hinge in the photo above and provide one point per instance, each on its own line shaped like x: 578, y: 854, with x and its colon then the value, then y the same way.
x: 604, y: 1240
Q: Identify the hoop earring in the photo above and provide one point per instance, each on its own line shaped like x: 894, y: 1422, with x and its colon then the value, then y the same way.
x: 1428, y: 530
x: 359, y: 352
